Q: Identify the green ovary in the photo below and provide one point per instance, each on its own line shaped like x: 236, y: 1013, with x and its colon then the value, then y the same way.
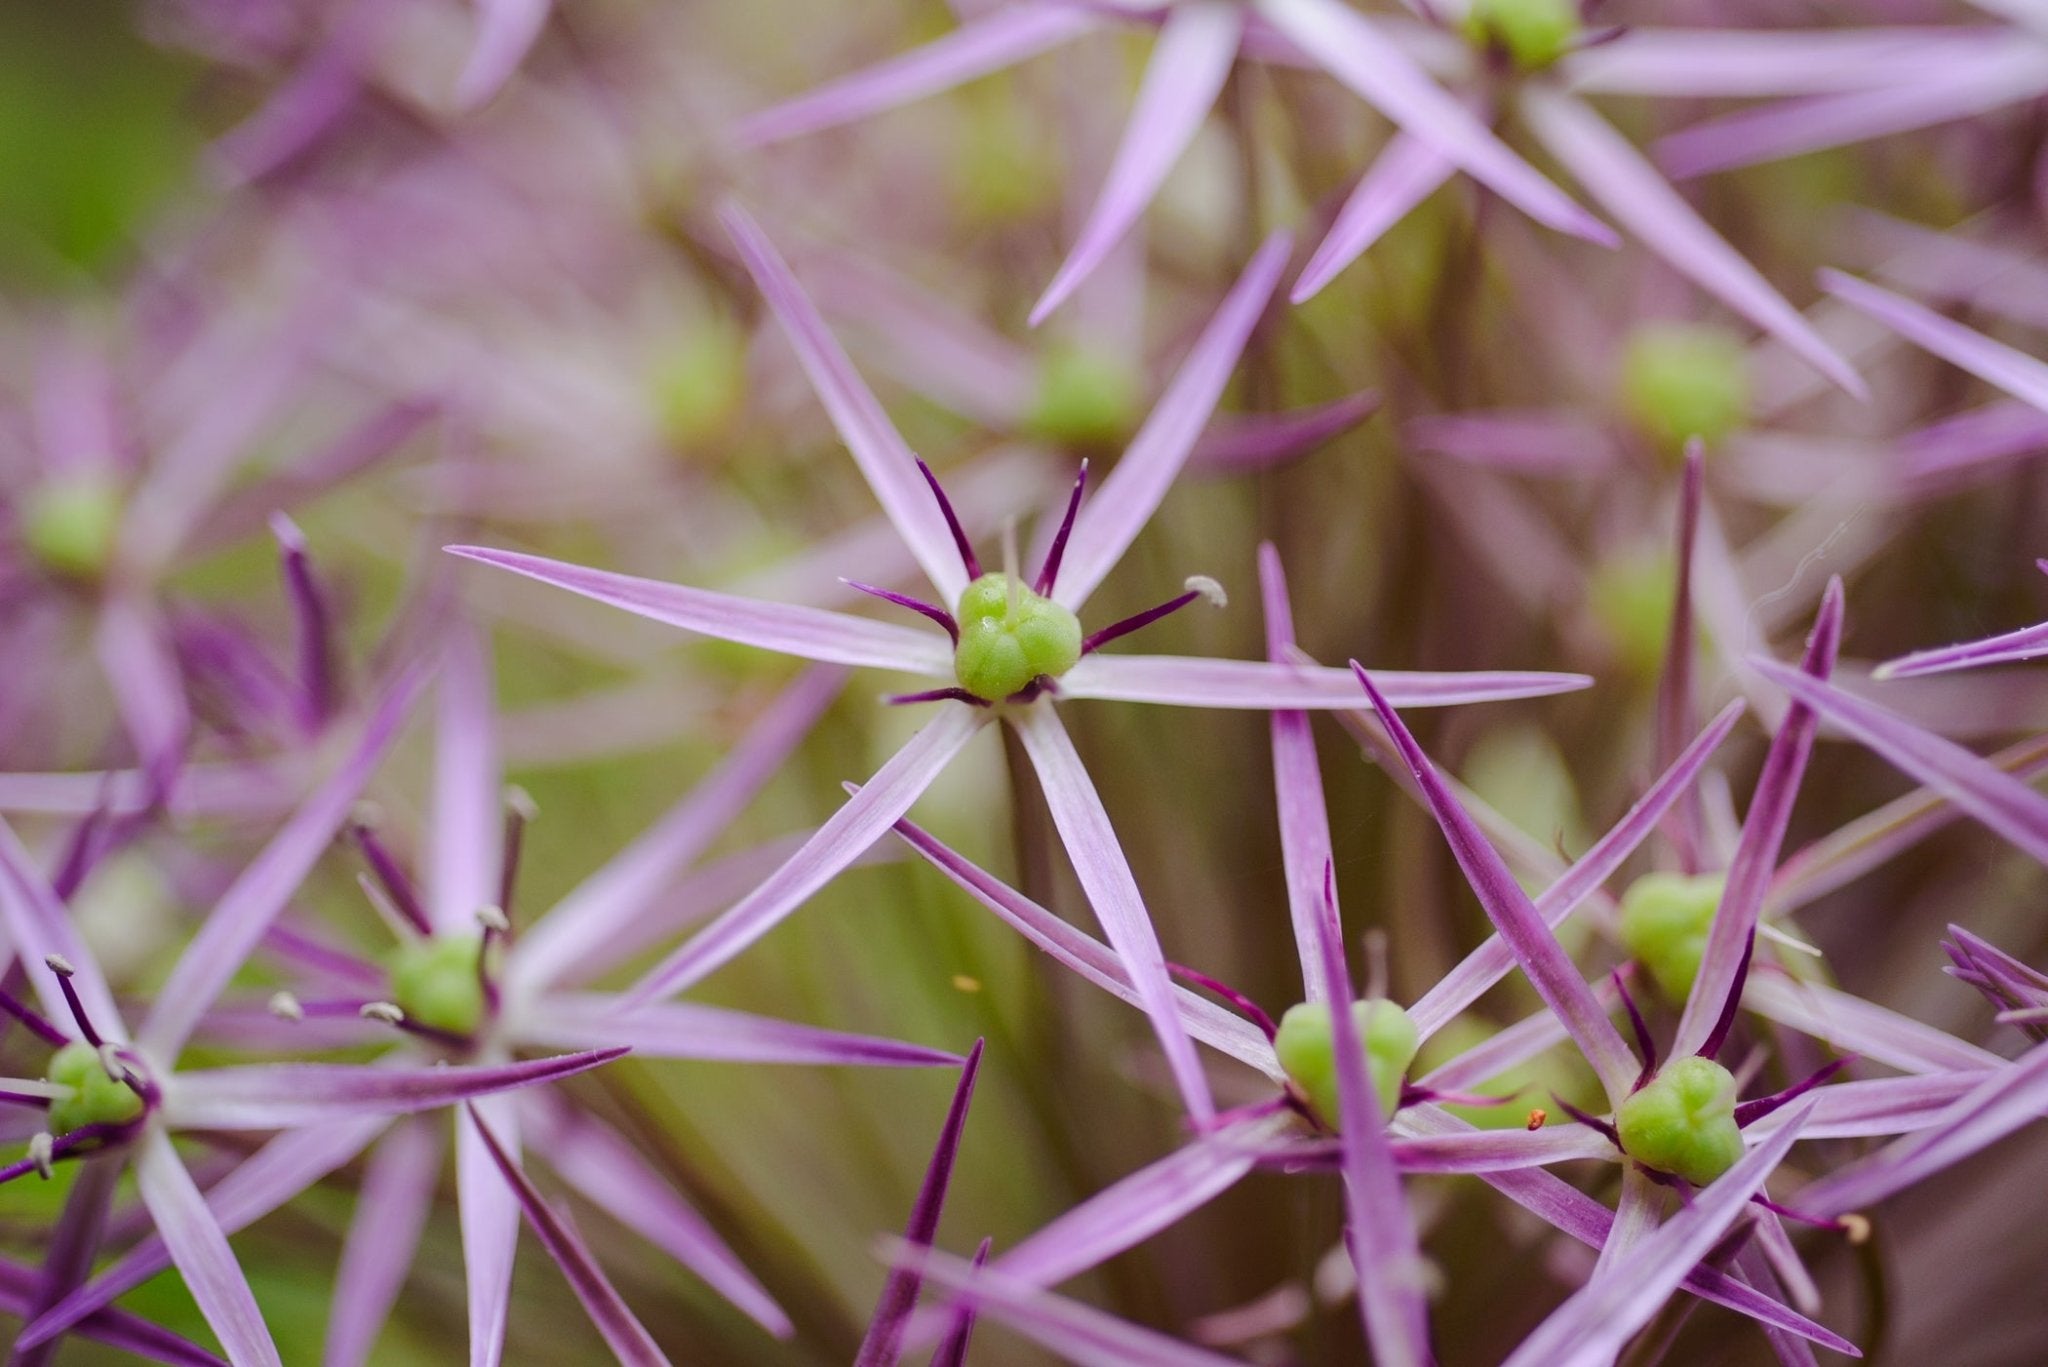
x: 1683, y: 1122
x: 1533, y: 33
x: 1010, y: 636
x: 435, y: 982
x: 70, y: 526
x: 1665, y: 918
x: 1085, y: 398
x: 1680, y: 381
x: 1308, y: 1052
x: 95, y: 1099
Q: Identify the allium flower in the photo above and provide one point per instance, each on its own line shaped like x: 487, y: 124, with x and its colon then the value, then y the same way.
x: 1013, y: 648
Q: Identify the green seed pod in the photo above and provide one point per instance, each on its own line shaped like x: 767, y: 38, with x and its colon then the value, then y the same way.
x: 1004, y: 647
x: 1533, y: 33
x: 1683, y: 1122
x: 1308, y: 1053
x: 1084, y: 398
x: 95, y: 1099
x: 71, y: 526
x: 434, y: 981
x: 1680, y: 381
x: 1664, y: 922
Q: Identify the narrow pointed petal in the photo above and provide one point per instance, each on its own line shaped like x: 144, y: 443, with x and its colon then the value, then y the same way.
x: 1119, y: 509
x: 1732, y: 932
x: 1241, y: 442
x: 1297, y: 791
x: 1995, y: 363
x: 811, y: 633
x: 1595, y: 1324
x: 1354, y: 50
x: 1112, y: 891
x: 884, y: 459
x: 135, y: 652
x: 2027, y: 643
x: 952, y: 1349
x: 1407, y: 171
x: 392, y: 1207
x: 39, y: 928
x: 1549, y: 968
x: 1974, y: 784
x: 1378, y: 1228
x: 71, y: 1246
x: 276, y: 1096
x: 986, y: 43
x: 612, y: 1176
x: 1879, y: 1107
x: 506, y: 30
x: 1458, y: 989
x: 1185, y: 681
x: 1860, y: 1027
x: 1098, y: 963
x: 611, y: 899
x: 489, y: 1216
x: 1632, y: 190
x: 115, y: 1328
x: 1675, y: 679
x: 465, y: 854
x: 201, y: 1251
x: 883, y: 1343
x: 688, y: 1030
x: 623, y: 1333
x: 1523, y: 441
x: 844, y: 837
x: 1189, y: 63
x: 1075, y: 1332
x: 273, y: 1175
x: 1706, y: 63
x: 246, y: 910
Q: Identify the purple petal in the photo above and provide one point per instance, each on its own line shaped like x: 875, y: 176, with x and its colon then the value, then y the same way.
x: 392, y: 1206
x: 115, y: 1328
x: 952, y: 1349
x: 1520, y: 441
x: 1702, y: 63
x: 846, y: 835
x: 688, y: 1030
x: 2027, y: 643
x: 883, y: 1343
x: 623, y: 1333
x: 1595, y: 1324
x: 135, y: 652
x: 1074, y: 1331
x: 885, y: 461
x: 1860, y: 1027
x: 506, y: 29
x: 1879, y: 1106
x: 1632, y: 190
x: 1092, y: 959
x: 1499, y: 1150
x: 1378, y: 1228
x: 1112, y: 892
x: 464, y: 854
x: 984, y: 44
x: 610, y: 900
x: 1236, y: 443
x: 1351, y: 48
x: 1995, y: 363
x: 1535, y: 948
x: 245, y: 911
x: 1182, y: 681
x: 1675, y: 679
x: 275, y: 1096
x: 1994, y: 797
x: 1119, y: 509
x: 813, y: 634
x: 1189, y: 64
x: 201, y: 1251
x: 1732, y: 934
x: 38, y: 929
x: 489, y: 1211
x: 72, y: 1244
x: 1407, y: 172
x: 1297, y: 789
x: 1457, y: 990
x: 302, y: 109
x: 613, y: 1177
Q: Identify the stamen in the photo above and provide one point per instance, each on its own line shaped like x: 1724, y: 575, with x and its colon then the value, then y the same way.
x: 14, y: 1097
x: 285, y: 1006
x: 916, y: 605
x: 484, y: 979
x: 1843, y: 1224
x: 114, y: 1066
x: 520, y: 809
x: 1592, y: 1122
x: 317, y: 674
x: 1719, y: 1035
x: 387, y: 1012
x: 1412, y: 1095
x: 1749, y: 1111
x: 1645, y: 1046
x: 960, y: 541
x: 955, y: 694
x: 61, y: 966
x: 390, y: 1014
x: 493, y: 920
x: 1197, y: 586
x: 41, y: 1150
x: 399, y: 887
x: 1376, y: 964
x: 402, y: 927
x: 1857, y: 1227
x: 33, y: 1019
x: 1246, y: 1007
x: 1049, y: 573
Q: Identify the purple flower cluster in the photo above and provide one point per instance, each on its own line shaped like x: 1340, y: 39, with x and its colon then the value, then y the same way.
x: 467, y: 289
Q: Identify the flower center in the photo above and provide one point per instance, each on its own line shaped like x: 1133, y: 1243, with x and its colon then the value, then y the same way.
x: 1665, y: 918
x: 1011, y: 636
x: 97, y: 1098
x: 1683, y: 380
x: 437, y: 981
x: 1308, y: 1052
x: 1682, y: 1122
x: 1530, y: 33
x: 71, y: 525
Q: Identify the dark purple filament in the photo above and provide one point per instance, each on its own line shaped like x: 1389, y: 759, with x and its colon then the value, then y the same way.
x: 33, y: 1019
x: 1049, y: 574
x: 917, y: 605
x: 1645, y: 1046
x: 1751, y: 1111
x: 1726, y: 1022
x: 1245, y: 1006
x: 393, y: 879
x: 1133, y: 623
x: 960, y: 541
